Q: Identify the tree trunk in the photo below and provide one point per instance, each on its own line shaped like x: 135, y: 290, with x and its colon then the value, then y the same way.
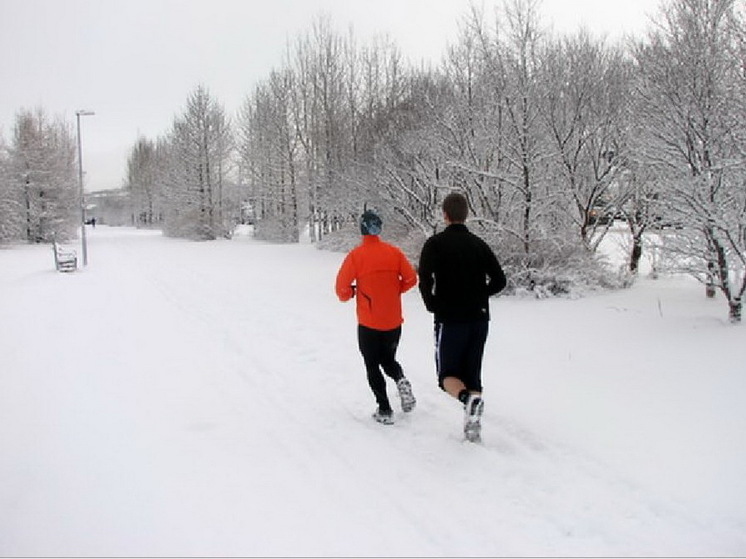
x: 735, y: 306
x: 634, y: 259
x: 710, y: 285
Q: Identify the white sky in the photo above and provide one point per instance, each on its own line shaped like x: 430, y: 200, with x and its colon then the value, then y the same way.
x: 134, y: 62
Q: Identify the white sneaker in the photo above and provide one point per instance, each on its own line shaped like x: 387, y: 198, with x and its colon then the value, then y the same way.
x: 385, y: 417
x: 406, y: 395
x: 473, y: 418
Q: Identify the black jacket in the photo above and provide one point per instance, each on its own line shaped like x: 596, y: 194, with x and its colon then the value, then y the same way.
x: 458, y: 273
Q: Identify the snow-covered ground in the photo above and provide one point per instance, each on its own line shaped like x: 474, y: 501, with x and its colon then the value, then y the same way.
x: 208, y: 399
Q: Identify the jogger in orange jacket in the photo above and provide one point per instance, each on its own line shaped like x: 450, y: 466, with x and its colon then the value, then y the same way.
x: 376, y: 274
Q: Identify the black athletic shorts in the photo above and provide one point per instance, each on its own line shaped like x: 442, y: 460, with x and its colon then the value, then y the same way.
x: 459, y: 347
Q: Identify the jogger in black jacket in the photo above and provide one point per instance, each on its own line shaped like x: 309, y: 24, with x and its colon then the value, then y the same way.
x: 458, y: 272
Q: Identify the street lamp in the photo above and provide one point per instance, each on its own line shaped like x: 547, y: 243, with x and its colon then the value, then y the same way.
x: 78, y: 114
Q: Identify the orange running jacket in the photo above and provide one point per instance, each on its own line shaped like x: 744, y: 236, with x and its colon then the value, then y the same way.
x: 380, y: 273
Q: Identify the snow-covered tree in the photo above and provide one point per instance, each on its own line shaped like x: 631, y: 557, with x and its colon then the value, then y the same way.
x: 43, y: 177
x: 143, y: 185
x: 327, y: 139
x: 692, y: 101
x: 392, y: 164
x: 198, y: 155
x: 11, y: 206
x: 512, y: 184
x: 270, y: 163
x: 405, y: 171
x: 308, y: 133
x: 587, y: 93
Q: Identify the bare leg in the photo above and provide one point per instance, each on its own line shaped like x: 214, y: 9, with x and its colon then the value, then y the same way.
x: 454, y: 386
x: 473, y: 407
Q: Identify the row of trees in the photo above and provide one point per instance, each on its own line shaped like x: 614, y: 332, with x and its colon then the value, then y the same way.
x: 180, y: 182
x: 550, y: 137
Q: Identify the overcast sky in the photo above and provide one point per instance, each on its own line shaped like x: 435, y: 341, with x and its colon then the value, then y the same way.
x: 134, y: 62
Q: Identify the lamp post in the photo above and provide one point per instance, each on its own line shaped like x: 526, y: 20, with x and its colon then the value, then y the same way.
x: 78, y: 114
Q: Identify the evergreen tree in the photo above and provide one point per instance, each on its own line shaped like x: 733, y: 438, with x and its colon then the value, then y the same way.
x: 43, y: 178
x: 198, y: 157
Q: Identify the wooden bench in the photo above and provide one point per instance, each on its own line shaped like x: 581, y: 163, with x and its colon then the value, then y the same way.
x: 65, y: 259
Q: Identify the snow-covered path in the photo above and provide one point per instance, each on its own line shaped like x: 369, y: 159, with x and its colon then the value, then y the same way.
x: 205, y: 399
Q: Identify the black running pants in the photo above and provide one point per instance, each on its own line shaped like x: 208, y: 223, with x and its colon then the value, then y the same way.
x: 378, y: 348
